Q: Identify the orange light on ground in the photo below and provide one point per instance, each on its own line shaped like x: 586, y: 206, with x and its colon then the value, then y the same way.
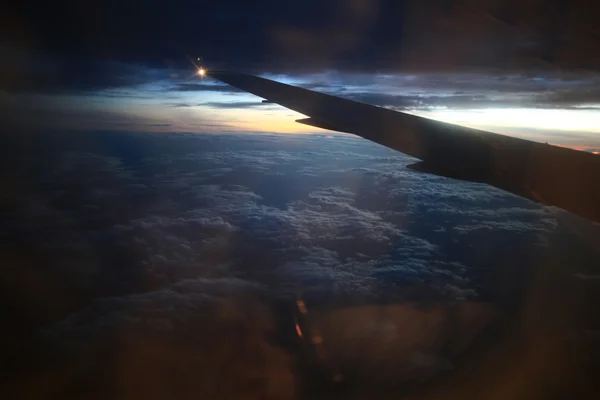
x: 586, y: 148
x: 298, y: 331
x: 301, y: 306
x: 317, y: 340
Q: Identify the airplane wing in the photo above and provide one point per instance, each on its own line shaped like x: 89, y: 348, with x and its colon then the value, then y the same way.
x: 550, y: 175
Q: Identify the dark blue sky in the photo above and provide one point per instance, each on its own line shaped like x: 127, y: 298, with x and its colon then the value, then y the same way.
x: 441, y: 35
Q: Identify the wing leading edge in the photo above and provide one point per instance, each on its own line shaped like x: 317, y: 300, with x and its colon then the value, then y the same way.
x: 550, y: 175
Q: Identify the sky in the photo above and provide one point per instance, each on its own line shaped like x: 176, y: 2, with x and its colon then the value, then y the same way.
x: 529, y: 68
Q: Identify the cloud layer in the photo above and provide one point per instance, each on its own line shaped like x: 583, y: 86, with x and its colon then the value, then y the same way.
x: 196, y: 240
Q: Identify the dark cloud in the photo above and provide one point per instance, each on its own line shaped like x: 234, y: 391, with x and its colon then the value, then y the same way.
x: 315, y: 35
x: 50, y: 74
x: 27, y: 72
x: 204, y: 87
x: 582, y: 96
x: 235, y: 104
x: 423, y: 101
x: 463, y: 91
x: 179, y: 105
x: 111, y: 93
x: 455, y: 91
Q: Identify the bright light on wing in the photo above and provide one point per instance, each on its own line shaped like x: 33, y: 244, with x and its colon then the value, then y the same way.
x: 201, y: 72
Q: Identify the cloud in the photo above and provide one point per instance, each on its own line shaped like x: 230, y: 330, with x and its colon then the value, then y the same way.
x: 456, y: 90
x: 50, y: 74
x: 380, y: 35
x: 203, y: 87
x: 422, y: 101
x: 195, y: 300
x: 235, y: 104
x: 583, y: 94
x: 177, y: 331
x: 584, y: 277
x: 168, y: 208
x: 180, y: 105
x: 185, y: 250
x: 205, y: 222
x: 513, y: 226
x: 102, y: 78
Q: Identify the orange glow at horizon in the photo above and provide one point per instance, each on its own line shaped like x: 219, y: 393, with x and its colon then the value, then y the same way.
x: 585, y: 148
x: 265, y: 120
x: 274, y: 126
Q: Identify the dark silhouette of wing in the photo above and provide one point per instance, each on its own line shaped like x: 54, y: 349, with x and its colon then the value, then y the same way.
x: 550, y: 175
